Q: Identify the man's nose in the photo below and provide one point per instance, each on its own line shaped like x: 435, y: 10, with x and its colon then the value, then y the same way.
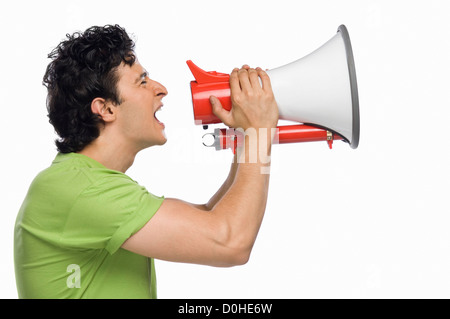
x: 160, y: 90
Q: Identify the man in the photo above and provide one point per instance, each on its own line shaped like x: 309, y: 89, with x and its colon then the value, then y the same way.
x: 85, y: 229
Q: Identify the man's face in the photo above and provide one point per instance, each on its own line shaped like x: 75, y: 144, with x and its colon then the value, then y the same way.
x: 140, y: 99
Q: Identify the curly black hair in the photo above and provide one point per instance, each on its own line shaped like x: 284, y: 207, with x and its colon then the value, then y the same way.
x: 83, y: 68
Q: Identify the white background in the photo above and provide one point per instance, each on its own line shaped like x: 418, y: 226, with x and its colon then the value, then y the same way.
x: 366, y: 223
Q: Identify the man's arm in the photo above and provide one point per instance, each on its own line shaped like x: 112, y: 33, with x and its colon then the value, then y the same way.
x: 222, y: 235
x: 225, y: 186
x: 222, y: 190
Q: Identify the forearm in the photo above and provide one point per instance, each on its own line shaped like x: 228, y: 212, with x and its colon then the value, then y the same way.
x: 242, y: 207
x: 225, y: 186
x: 249, y: 197
x: 239, y: 157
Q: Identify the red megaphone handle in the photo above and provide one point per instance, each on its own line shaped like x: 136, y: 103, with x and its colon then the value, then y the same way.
x: 227, y: 138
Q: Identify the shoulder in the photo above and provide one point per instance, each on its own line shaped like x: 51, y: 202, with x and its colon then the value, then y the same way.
x: 75, y: 178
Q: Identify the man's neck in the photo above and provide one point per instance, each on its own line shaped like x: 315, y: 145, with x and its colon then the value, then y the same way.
x: 115, y: 156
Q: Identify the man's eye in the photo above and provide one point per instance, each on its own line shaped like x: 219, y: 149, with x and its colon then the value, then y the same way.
x: 144, y: 82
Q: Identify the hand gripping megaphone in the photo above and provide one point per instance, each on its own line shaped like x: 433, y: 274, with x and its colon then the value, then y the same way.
x: 319, y: 91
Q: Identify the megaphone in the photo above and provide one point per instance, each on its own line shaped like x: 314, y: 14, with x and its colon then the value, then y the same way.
x: 318, y: 90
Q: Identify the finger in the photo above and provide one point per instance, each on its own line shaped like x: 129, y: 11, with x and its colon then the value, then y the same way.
x: 244, y: 80
x: 254, y: 79
x: 246, y: 66
x: 265, y: 80
x: 234, y: 81
x: 218, y: 110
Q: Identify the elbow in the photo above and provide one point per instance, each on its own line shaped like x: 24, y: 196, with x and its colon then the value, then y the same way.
x: 243, y: 259
x: 233, y: 258
x: 234, y: 244
x: 236, y: 250
x: 240, y: 258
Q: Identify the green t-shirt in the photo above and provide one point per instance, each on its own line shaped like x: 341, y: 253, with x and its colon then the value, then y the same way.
x: 69, y: 230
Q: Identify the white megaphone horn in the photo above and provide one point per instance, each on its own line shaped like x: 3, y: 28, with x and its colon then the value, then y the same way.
x: 318, y: 90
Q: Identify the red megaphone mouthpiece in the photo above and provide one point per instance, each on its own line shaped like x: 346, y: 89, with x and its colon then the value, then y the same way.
x: 205, y: 85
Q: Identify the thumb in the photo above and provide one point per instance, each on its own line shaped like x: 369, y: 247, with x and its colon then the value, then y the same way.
x: 219, y: 111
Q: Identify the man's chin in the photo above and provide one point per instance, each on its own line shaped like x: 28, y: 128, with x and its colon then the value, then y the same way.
x: 162, y: 140
x: 159, y: 142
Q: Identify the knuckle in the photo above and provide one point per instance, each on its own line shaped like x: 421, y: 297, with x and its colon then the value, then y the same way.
x: 269, y: 97
x: 258, y: 94
x: 250, y: 93
x: 236, y: 98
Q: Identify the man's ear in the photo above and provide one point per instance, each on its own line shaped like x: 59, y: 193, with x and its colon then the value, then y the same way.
x: 105, y: 110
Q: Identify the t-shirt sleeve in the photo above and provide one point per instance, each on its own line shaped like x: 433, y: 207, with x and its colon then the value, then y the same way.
x: 107, y: 213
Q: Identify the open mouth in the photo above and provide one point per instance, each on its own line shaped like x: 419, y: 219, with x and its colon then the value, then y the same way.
x: 154, y: 114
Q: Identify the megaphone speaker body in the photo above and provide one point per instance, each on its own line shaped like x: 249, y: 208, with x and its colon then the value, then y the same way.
x: 319, y: 89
